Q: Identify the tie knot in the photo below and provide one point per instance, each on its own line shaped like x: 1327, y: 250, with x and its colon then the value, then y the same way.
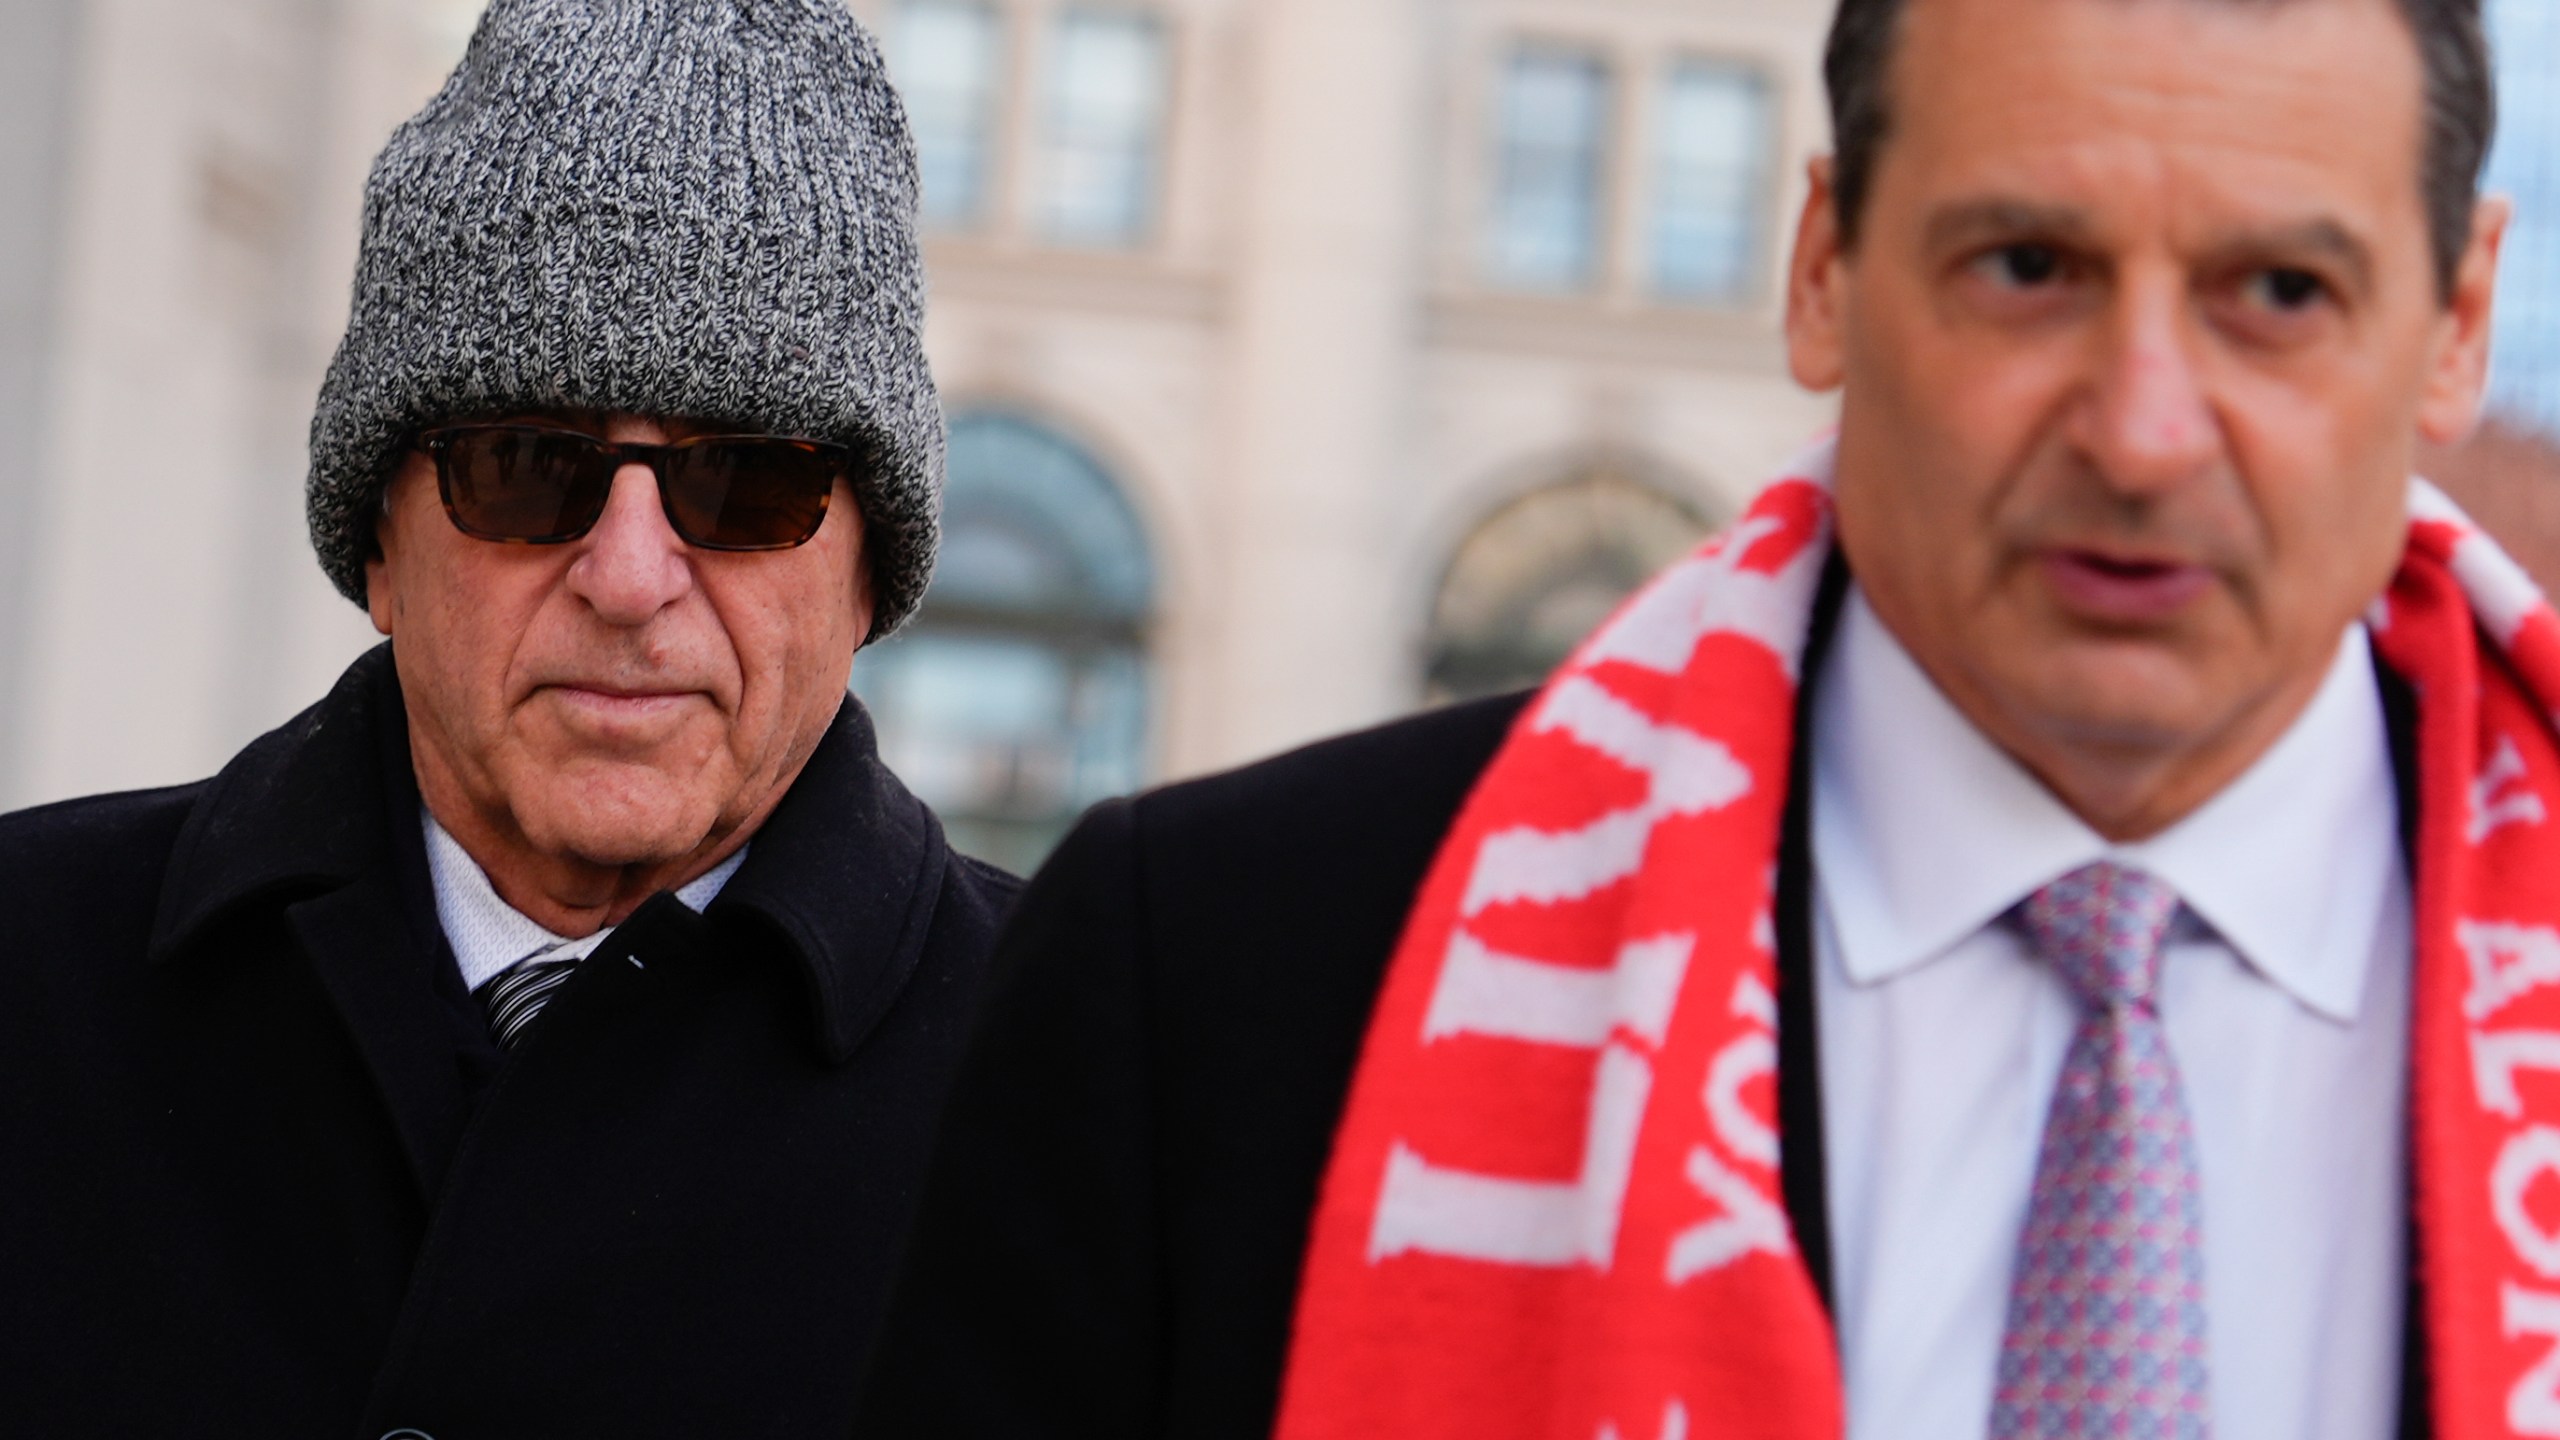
x: 514, y: 998
x: 2101, y: 926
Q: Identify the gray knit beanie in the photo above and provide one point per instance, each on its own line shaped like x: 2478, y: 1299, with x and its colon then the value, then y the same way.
x: 697, y: 208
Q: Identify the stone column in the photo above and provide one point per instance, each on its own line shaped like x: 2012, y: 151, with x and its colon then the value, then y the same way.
x: 1321, y: 378
x: 39, y: 43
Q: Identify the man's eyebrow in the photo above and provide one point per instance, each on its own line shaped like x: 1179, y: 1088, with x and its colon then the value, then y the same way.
x: 1970, y: 222
x: 2323, y: 237
x: 1966, y: 222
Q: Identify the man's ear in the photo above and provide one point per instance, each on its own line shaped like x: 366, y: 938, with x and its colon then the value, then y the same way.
x: 377, y: 566
x: 866, y: 607
x: 1815, y: 346
x: 377, y: 592
x: 2449, y: 406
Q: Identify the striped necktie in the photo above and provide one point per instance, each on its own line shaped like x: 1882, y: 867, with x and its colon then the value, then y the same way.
x: 521, y: 990
x: 2106, y: 1328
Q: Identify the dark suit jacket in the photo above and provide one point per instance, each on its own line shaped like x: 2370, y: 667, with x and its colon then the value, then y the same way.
x: 263, y: 1174
x: 1111, y: 1238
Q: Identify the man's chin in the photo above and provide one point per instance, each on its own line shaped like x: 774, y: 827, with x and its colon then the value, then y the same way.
x: 2114, y: 694
x: 2134, y: 733
x: 617, y: 815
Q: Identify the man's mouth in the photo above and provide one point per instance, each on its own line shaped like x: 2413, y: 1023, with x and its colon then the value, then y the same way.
x: 2123, y: 589
x: 611, y: 703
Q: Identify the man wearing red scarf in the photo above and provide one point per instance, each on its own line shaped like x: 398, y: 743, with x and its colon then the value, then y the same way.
x: 2049, y: 927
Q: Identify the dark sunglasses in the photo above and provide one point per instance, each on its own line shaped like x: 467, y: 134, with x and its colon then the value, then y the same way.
x: 535, y: 485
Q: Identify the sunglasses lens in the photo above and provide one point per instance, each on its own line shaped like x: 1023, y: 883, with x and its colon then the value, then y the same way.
x: 749, y: 493
x: 508, y: 483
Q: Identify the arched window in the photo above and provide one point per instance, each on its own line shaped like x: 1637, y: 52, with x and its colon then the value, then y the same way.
x: 1542, y: 572
x: 1018, y: 694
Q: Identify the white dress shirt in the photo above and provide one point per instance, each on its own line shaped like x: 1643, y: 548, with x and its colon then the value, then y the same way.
x: 490, y: 937
x: 2285, y: 998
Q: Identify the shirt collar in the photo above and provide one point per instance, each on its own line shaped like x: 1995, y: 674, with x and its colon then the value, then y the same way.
x: 490, y: 937
x: 1924, y: 831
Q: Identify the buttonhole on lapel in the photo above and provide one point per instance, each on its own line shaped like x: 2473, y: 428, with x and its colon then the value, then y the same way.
x: 635, y: 962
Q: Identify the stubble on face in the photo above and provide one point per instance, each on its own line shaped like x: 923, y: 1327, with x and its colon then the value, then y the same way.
x: 2133, y: 347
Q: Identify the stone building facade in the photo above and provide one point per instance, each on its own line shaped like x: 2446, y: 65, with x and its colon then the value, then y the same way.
x: 1308, y: 360
x: 1408, y: 335
x: 2525, y: 166
x: 179, y: 183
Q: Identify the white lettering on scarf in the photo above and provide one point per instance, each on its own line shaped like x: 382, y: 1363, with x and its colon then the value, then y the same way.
x: 2496, y: 1056
x: 1751, y: 1223
x: 2506, y: 961
x: 1685, y: 773
x: 1504, y: 1219
x: 2527, y: 1156
x: 2503, y: 796
x: 1480, y: 991
x: 2533, y: 1406
x: 1485, y: 992
x: 1675, y: 1424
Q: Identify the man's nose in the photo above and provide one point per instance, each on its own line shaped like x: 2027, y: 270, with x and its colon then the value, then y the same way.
x: 2147, y: 421
x: 632, y: 564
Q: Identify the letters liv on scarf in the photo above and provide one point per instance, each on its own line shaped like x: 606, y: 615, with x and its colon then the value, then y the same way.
x: 1552, y: 1209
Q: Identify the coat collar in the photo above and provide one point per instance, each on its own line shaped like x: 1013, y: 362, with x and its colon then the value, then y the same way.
x: 846, y: 872
x: 844, y: 875
x: 300, y: 811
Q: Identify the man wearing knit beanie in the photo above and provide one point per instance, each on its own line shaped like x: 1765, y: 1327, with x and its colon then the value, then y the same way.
x: 541, y: 1034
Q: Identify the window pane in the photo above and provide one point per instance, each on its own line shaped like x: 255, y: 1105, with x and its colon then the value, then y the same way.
x: 1018, y: 697
x: 948, y: 55
x: 1552, y: 131
x: 1104, y: 124
x: 1711, y: 182
x: 2525, y: 374
x: 1540, y: 574
x: 1032, y: 524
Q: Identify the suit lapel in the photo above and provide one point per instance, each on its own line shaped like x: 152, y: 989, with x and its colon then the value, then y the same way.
x: 1800, y: 1159
x: 2400, y: 723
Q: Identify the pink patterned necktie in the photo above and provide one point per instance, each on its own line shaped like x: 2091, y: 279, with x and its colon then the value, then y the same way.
x: 2106, y: 1329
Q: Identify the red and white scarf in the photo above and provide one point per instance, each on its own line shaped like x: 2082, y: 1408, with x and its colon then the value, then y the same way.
x: 1552, y: 1209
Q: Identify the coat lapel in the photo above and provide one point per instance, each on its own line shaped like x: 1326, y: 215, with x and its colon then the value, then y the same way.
x: 1800, y: 1160
x: 309, y: 821
x: 370, y: 964
x: 846, y: 873
x: 2400, y: 724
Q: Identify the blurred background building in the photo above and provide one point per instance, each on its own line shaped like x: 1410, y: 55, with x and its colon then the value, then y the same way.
x: 2526, y: 165
x: 1306, y: 360
x: 2509, y: 475
x: 1311, y: 359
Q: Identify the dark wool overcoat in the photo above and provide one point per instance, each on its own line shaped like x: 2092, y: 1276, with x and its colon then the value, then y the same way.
x: 263, y: 1174
x: 1111, y: 1239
